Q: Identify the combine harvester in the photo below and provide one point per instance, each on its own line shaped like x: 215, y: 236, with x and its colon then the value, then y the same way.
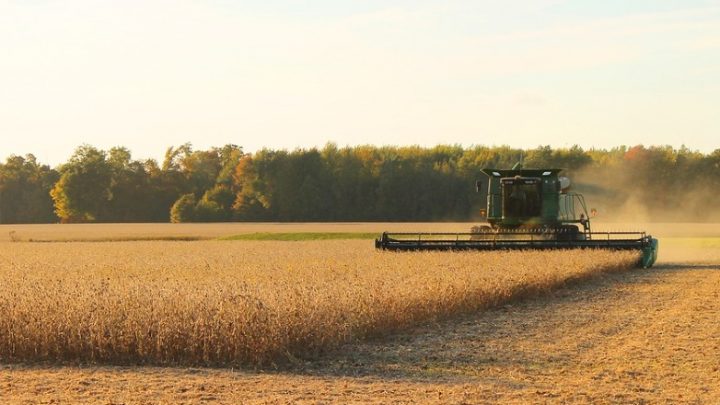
x: 528, y: 209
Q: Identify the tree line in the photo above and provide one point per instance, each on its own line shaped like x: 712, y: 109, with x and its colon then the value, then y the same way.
x: 360, y: 183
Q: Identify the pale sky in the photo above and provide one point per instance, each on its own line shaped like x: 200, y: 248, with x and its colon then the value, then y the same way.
x: 147, y: 74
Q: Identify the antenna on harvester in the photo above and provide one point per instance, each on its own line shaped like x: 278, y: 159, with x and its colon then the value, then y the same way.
x: 519, y: 164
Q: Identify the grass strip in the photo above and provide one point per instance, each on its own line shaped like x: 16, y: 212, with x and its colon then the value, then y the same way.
x: 120, y: 239
x: 301, y: 236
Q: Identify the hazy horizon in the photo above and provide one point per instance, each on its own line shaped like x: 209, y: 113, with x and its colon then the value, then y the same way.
x: 282, y: 74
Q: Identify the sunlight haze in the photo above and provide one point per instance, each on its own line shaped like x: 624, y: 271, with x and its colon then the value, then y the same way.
x: 284, y: 74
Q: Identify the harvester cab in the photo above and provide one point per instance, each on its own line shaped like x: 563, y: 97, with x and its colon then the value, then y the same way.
x: 528, y: 209
x: 533, y: 200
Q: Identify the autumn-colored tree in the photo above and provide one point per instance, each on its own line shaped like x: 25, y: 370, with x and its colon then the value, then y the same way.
x: 83, y: 191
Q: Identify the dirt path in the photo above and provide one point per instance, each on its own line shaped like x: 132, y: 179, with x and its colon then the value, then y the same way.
x: 648, y: 336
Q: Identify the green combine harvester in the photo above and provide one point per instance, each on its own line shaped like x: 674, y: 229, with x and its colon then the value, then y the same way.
x: 528, y: 209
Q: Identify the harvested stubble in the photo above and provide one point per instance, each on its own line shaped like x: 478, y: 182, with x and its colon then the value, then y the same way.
x: 247, y: 303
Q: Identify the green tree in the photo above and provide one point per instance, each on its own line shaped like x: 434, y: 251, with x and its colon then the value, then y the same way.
x: 25, y: 191
x: 184, y: 209
x: 131, y: 193
x: 362, y: 183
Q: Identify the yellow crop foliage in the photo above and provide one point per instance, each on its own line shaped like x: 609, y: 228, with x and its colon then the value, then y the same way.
x: 248, y: 303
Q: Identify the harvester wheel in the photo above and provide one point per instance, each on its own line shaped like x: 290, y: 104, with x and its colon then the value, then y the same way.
x: 568, y: 233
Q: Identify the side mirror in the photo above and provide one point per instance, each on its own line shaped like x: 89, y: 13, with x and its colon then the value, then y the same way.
x: 478, y: 186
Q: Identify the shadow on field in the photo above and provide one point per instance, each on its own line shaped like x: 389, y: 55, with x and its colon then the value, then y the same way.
x: 530, y: 334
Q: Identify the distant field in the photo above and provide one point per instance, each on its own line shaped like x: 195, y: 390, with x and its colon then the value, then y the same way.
x: 89, y: 232
x: 301, y: 236
x: 146, y: 231
x: 693, y: 242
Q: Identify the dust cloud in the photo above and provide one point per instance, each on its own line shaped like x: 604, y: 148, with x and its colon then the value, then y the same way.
x: 684, y: 217
x: 620, y: 196
x: 670, y: 254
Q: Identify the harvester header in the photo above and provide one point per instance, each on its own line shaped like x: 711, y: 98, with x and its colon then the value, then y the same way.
x: 528, y: 209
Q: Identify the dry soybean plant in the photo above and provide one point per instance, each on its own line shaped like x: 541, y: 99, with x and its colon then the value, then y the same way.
x: 248, y: 303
